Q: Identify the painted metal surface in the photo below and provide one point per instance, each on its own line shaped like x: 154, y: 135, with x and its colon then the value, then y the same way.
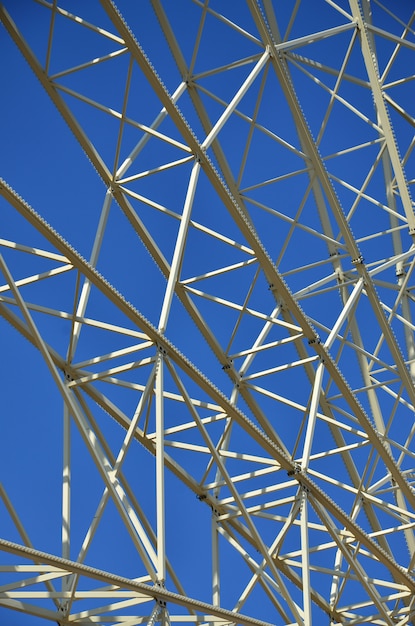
x: 221, y: 334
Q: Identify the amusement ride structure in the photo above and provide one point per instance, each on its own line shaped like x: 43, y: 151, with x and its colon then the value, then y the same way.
x: 206, y: 307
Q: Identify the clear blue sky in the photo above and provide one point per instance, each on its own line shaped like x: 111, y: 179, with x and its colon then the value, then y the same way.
x: 43, y: 161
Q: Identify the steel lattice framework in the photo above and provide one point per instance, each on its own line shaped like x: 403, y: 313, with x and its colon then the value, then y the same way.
x: 228, y: 280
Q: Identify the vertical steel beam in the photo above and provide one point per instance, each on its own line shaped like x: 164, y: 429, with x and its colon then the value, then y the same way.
x: 160, y: 500
x: 215, y: 561
x: 66, y: 493
x: 305, y: 559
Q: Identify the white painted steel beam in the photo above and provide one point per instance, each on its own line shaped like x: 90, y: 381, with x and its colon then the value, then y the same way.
x: 235, y: 100
x: 230, y: 409
x: 368, y: 463
x: 155, y: 592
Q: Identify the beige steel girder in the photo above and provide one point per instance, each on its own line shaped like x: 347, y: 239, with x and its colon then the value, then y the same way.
x: 226, y: 384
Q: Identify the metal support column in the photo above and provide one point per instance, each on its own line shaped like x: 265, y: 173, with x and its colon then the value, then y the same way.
x: 161, y: 521
x: 66, y: 493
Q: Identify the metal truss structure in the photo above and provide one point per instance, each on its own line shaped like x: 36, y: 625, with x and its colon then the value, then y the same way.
x: 208, y: 345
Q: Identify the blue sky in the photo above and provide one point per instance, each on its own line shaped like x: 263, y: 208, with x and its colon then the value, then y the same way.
x: 44, y: 162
